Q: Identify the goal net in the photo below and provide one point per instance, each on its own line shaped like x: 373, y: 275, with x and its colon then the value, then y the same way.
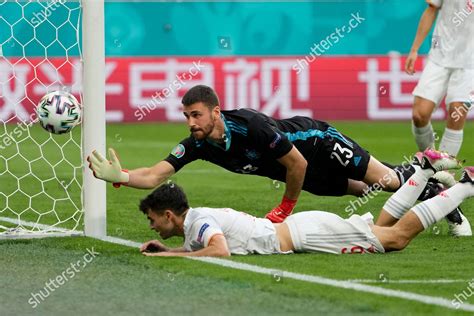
x: 41, y: 174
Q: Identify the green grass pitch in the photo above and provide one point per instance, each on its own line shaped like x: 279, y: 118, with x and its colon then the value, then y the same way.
x: 120, y: 281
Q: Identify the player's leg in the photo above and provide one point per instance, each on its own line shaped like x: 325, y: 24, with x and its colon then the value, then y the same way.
x: 404, y: 198
x: 344, y: 159
x: 421, y: 123
x: 407, y: 195
x: 388, y: 178
x: 404, y: 171
x: 453, y: 133
x: 458, y: 99
x: 458, y: 224
x: 386, y: 219
x: 425, y: 214
x: 398, y: 236
x: 348, y: 159
x: 316, y: 231
x: 379, y: 173
x: 391, y: 178
x: 356, y: 188
x: 430, y: 90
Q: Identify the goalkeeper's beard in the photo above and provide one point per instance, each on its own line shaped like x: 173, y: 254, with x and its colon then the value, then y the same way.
x: 204, y: 132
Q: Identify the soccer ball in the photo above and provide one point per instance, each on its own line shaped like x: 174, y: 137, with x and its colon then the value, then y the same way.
x: 58, y: 112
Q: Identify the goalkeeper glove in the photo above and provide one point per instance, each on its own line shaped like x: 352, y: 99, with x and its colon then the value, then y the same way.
x: 110, y: 171
x: 282, y: 211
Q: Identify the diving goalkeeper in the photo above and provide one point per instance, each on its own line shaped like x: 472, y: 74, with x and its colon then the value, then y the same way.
x: 304, y: 153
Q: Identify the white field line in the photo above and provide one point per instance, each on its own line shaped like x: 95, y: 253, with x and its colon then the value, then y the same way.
x: 426, y: 281
x: 350, y: 285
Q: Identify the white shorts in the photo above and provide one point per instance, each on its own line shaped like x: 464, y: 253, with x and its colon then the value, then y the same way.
x: 316, y: 231
x: 456, y: 84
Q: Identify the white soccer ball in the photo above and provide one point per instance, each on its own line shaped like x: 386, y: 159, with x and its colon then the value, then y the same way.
x: 58, y: 112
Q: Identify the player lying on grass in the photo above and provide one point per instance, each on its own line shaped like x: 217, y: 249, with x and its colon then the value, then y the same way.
x: 221, y: 232
x: 304, y: 153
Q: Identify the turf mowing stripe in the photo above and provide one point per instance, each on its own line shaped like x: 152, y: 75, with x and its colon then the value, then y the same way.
x: 430, y: 300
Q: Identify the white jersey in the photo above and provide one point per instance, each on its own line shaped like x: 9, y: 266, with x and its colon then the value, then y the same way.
x: 452, y: 44
x: 245, y: 234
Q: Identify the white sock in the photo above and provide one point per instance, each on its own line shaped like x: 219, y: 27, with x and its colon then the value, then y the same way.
x: 424, y: 136
x: 451, y: 141
x: 405, y: 197
x: 433, y: 210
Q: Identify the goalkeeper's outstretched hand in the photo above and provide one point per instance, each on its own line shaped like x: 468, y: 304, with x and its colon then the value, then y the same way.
x: 108, y: 170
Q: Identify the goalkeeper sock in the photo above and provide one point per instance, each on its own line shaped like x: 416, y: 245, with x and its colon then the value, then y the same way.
x: 431, y: 190
x: 424, y: 136
x: 402, y: 200
x: 404, y: 172
x: 433, y: 210
x: 451, y: 141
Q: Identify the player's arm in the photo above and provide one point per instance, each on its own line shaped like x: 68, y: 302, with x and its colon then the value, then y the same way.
x: 276, y: 145
x: 142, y: 178
x: 217, y: 247
x: 295, y: 165
x: 424, y: 27
x: 148, y: 178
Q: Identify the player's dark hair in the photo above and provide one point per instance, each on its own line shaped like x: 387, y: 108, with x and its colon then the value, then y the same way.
x: 201, y: 93
x: 166, y: 197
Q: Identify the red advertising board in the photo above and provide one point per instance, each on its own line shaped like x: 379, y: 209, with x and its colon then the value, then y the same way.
x: 150, y: 89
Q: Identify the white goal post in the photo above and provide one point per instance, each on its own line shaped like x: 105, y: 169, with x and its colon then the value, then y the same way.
x: 93, y: 43
x: 46, y: 188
